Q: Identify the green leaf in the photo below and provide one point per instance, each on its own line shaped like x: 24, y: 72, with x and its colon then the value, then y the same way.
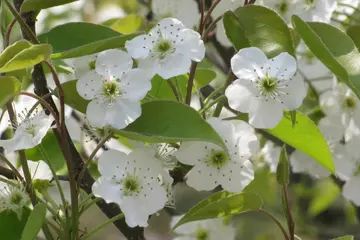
x: 31, y: 5
x: 169, y: 121
x: 234, y: 31
x: 86, y: 38
x: 324, y: 194
x: 129, y: 24
x: 34, y: 222
x: 283, y: 167
x: 20, y: 57
x: 348, y: 237
x: 9, y: 86
x: 204, y: 76
x: 72, y: 97
x: 12, y: 227
x: 354, y: 32
x: 304, y: 136
x: 334, y: 49
x: 161, y: 90
x: 293, y: 117
x: 264, y: 29
x: 222, y: 204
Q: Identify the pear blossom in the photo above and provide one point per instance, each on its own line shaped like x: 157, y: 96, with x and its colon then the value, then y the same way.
x: 342, y: 105
x: 168, y: 49
x: 187, y: 11
x: 315, y: 10
x: 302, y: 163
x: 211, y: 229
x: 39, y: 170
x: 265, y: 86
x: 115, y: 90
x: 350, y: 190
x: 346, y: 7
x: 13, y: 198
x: 29, y: 133
x: 83, y: 64
x: 214, y: 165
x: 270, y: 154
x: 131, y: 182
x: 284, y: 8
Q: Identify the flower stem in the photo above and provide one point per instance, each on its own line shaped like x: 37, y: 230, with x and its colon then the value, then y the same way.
x: 8, y: 32
x: 173, y: 88
x: 190, y: 82
x: 286, y: 237
x: 95, y: 230
x: 291, y: 223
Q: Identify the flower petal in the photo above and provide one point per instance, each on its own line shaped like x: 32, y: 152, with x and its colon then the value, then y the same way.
x: 247, y: 63
x: 300, y: 162
x: 141, y: 46
x: 189, y: 43
x: 296, y: 92
x: 113, y: 62
x: 89, y: 85
x: 192, y: 153
x: 350, y: 190
x: 240, y: 94
x: 168, y: 28
x: 265, y: 114
x: 283, y: 66
x: 107, y: 189
x: 135, y: 84
x: 202, y: 177
x: 122, y: 113
x: 112, y: 163
x: 235, y: 176
x: 96, y: 113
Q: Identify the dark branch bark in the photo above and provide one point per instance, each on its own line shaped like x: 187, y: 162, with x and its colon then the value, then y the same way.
x: 41, y: 89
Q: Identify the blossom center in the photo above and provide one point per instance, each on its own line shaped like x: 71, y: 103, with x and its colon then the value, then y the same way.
x: 31, y: 129
x: 218, y: 158
x: 131, y: 185
x: 164, y: 48
x: 268, y: 84
x: 350, y: 102
x: 201, y: 234
x: 283, y: 7
x: 92, y: 65
x: 111, y: 90
x: 16, y: 198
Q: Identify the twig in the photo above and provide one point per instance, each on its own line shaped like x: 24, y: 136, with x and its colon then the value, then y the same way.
x: 291, y: 223
x: 8, y: 32
x: 276, y: 221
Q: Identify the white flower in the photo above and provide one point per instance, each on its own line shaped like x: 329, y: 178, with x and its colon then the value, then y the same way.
x: 214, y: 165
x: 221, y: 8
x: 13, y: 198
x: 315, y: 10
x: 351, y: 190
x: 265, y: 87
x: 271, y: 153
x: 29, y: 133
x: 83, y: 65
x: 300, y: 163
x: 187, y: 11
x: 341, y: 103
x: 284, y: 8
x: 168, y: 49
x: 346, y: 10
x: 38, y: 170
x: 131, y: 182
x: 211, y: 229
x: 115, y: 90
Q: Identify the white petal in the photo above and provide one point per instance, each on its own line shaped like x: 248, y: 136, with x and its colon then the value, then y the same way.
x: 202, y: 177
x: 221, y: 34
x: 20, y: 141
x: 82, y: 64
x: 236, y: 176
x: 113, y: 62
x: 172, y: 66
x: 344, y: 164
x: 39, y: 170
x: 96, y: 113
x: 112, y: 163
x: 351, y: 190
x: 136, y: 83
x: 55, y: 194
x: 239, y: 94
x: 247, y: 63
x: 332, y: 130
x: 192, y: 153
x: 168, y: 28
x: 265, y: 114
x: 140, y: 46
x: 190, y: 45
x: 122, y: 113
x: 107, y: 189
x: 283, y: 66
x: 89, y: 85
x: 296, y: 92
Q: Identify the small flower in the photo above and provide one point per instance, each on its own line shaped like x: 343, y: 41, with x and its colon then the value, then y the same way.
x: 84, y: 64
x: 13, y: 198
x: 265, y: 87
x: 131, y: 182
x: 187, y: 11
x: 315, y: 10
x: 168, y: 49
x: 29, y: 133
x: 115, y: 90
x: 270, y: 154
x: 283, y: 7
x: 214, y: 165
x: 212, y: 229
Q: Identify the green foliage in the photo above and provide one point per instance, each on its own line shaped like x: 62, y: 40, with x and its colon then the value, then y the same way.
x: 354, y: 33
x: 9, y: 86
x: 129, y: 24
x: 169, y: 121
x: 222, y: 204
x: 23, y: 54
x: 34, y: 222
x: 334, y: 49
x: 283, y: 167
x: 345, y: 238
x: 304, y: 136
x: 12, y: 227
x: 31, y: 5
x: 261, y: 27
x: 324, y: 194
x: 204, y: 76
x: 83, y: 41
